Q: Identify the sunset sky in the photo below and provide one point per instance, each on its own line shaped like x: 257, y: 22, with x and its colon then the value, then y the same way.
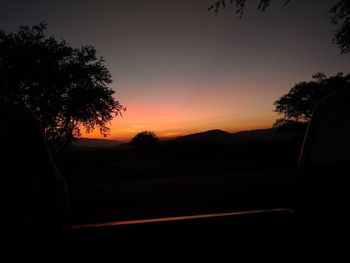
x: 180, y: 69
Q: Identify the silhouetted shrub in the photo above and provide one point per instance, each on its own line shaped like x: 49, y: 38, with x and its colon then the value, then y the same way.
x: 146, y: 141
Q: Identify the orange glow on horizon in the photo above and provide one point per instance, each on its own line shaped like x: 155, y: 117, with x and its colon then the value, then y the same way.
x: 124, y: 129
x: 126, y: 137
x: 171, y: 113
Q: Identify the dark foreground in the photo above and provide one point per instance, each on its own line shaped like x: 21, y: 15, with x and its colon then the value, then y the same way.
x: 247, y: 215
x: 183, y: 196
x: 217, y: 219
x: 266, y: 235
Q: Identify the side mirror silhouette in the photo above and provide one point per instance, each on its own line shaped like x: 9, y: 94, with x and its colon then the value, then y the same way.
x: 325, y: 159
x: 33, y: 193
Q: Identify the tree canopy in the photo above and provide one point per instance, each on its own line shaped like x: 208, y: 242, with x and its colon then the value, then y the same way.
x: 239, y: 5
x: 339, y: 16
x: 298, y: 104
x: 66, y: 88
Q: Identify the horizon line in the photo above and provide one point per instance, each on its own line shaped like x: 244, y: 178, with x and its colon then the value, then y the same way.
x: 163, y: 138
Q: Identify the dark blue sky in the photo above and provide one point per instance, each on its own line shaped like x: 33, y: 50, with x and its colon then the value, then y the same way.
x: 179, y: 68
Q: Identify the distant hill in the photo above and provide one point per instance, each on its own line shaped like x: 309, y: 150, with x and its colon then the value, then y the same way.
x: 243, y: 136
x: 217, y: 135
x: 85, y: 142
x: 212, y: 135
x: 263, y: 134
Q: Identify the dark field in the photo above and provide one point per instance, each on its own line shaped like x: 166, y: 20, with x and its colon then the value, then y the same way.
x: 112, y: 185
x: 178, y: 179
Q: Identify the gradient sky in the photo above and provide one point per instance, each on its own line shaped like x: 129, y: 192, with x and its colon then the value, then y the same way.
x: 180, y: 69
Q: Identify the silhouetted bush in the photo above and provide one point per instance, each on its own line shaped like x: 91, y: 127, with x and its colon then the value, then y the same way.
x: 146, y: 142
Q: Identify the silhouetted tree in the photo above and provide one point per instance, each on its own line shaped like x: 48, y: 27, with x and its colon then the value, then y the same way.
x: 66, y: 88
x: 339, y: 16
x: 298, y: 104
x: 239, y: 5
x: 146, y: 141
